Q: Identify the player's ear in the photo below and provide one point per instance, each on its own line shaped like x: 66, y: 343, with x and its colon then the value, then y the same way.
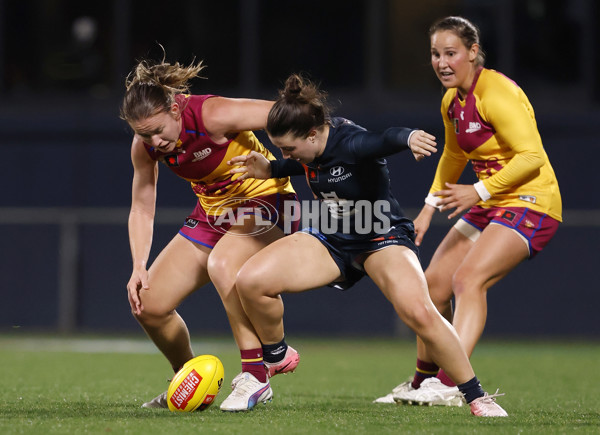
x: 175, y: 111
x: 473, y: 52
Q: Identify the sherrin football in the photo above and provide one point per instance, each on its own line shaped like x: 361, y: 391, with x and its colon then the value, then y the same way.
x: 196, y: 385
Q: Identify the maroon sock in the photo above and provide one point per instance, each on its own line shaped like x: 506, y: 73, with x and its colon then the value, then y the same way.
x: 424, y: 370
x: 252, y: 362
x: 444, y: 379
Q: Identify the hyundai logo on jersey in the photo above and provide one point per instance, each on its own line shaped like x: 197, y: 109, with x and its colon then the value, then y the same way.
x: 336, y: 171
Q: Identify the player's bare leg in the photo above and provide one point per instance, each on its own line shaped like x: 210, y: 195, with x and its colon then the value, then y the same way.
x: 177, y: 272
x: 497, y: 251
x: 397, y: 272
x: 259, y: 283
x: 293, y: 264
x: 445, y: 261
x: 228, y: 256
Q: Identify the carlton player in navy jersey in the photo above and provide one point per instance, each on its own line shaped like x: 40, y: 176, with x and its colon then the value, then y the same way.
x: 351, y: 177
x: 345, y: 168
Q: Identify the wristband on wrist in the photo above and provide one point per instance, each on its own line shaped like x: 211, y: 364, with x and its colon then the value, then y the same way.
x: 482, y: 191
x: 433, y: 201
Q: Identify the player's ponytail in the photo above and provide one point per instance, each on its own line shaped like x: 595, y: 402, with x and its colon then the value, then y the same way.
x: 301, y: 107
x: 150, y: 88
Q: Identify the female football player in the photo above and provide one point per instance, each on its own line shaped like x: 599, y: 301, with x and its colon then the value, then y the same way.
x: 194, y: 136
x: 361, y: 229
x: 512, y: 211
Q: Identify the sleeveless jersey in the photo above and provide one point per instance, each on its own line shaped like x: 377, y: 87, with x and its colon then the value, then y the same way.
x: 495, y: 128
x: 203, y: 163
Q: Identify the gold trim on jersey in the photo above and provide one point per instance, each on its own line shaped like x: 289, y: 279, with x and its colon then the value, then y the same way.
x: 213, y: 197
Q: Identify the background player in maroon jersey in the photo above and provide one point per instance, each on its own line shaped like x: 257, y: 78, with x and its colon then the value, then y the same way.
x: 193, y: 136
x: 512, y: 211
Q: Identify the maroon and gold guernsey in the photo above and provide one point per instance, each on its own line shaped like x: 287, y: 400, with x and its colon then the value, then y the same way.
x: 494, y: 127
x: 203, y: 163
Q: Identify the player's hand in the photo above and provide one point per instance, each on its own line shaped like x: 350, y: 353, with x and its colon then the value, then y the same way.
x: 422, y: 222
x: 422, y: 144
x: 459, y: 197
x: 137, y: 282
x: 253, y: 165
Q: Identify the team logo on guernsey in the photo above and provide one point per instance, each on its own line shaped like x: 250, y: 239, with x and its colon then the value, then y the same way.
x: 171, y: 160
x: 455, y: 122
x: 201, y: 155
x: 313, y: 175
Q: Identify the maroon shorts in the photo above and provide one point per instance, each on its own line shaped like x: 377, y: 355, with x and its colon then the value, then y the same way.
x: 268, y: 211
x: 534, y: 227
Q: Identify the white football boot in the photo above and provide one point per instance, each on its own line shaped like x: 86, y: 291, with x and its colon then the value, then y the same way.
x: 432, y: 392
x: 247, y: 392
x: 404, y: 387
x: 159, y: 401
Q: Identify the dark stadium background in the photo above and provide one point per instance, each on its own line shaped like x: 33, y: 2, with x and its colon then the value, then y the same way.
x: 66, y: 174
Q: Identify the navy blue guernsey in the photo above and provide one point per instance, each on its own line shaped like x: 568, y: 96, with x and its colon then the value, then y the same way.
x: 352, y: 179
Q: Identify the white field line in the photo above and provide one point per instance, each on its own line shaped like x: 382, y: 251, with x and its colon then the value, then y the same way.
x: 101, y: 345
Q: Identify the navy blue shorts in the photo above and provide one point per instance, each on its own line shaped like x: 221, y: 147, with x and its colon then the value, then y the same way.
x: 349, y: 255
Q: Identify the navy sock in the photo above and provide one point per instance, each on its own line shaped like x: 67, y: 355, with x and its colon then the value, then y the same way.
x: 471, y: 390
x: 273, y: 353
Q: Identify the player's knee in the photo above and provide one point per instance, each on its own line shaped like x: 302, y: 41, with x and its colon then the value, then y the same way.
x: 251, y: 282
x: 221, y: 272
x: 153, y: 315
x: 466, y: 281
x: 418, y: 317
x: 440, y: 288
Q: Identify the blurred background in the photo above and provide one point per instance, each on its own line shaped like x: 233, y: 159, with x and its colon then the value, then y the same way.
x: 67, y: 175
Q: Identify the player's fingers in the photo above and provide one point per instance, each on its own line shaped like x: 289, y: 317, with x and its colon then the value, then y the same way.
x: 134, y: 302
x: 238, y: 160
x: 453, y: 214
x: 239, y: 170
x: 419, y: 238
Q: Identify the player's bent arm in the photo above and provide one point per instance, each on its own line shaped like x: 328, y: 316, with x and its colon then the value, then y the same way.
x: 224, y: 117
x: 514, y: 122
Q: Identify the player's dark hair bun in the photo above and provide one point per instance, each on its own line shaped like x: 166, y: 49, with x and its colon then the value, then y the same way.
x: 301, y: 106
x: 293, y: 86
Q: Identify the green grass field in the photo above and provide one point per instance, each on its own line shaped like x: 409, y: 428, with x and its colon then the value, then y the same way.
x: 92, y: 385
